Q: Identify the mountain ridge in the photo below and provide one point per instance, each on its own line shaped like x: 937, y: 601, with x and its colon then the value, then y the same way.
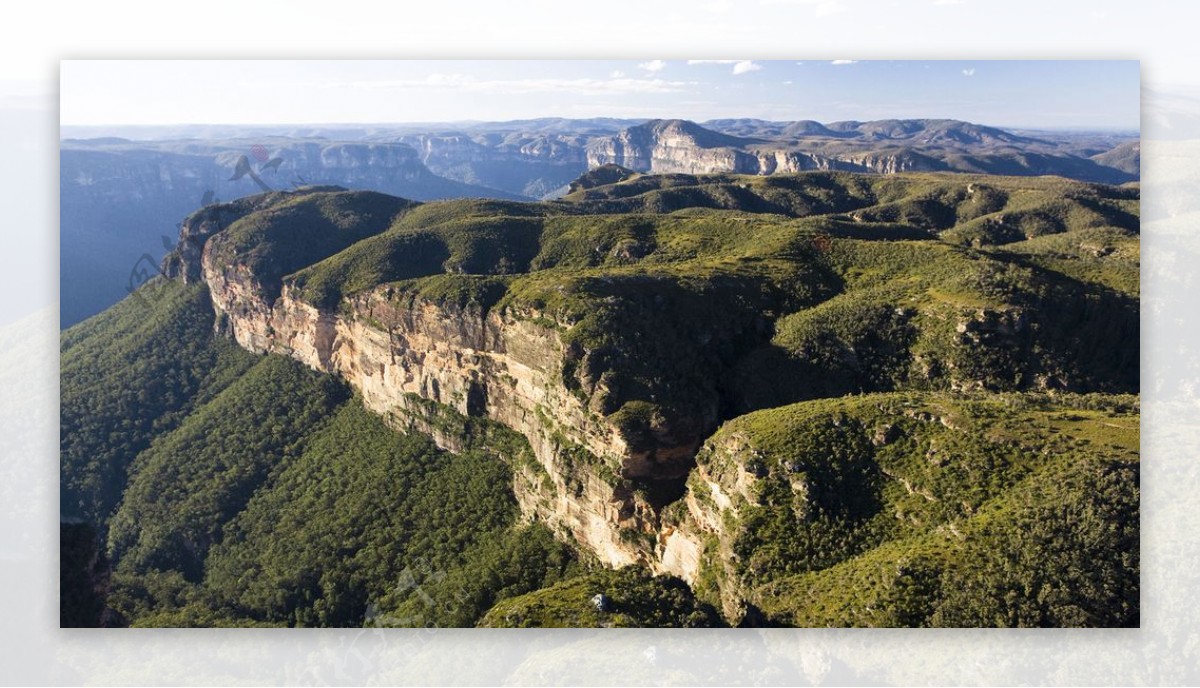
x: 121, y: 196
x: 748, y: 383
x: 879, y: 146
x: 591, y: 414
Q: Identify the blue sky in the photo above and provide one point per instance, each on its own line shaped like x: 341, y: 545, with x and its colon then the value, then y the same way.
x: 1059, y: 94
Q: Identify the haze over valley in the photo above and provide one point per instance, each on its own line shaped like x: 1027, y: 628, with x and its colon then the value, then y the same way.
x: 122, y: 198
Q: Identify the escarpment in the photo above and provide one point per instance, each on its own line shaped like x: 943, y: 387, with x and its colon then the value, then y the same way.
x: 415, y: 358
x: 883, y: 147
x: 625, y: 345
x: 505, y: 365
x: 880, y: 489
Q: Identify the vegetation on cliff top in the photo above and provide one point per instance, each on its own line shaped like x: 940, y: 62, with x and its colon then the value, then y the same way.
x: 976, y: 487
x: 706, y: 285
x: 928, y: 509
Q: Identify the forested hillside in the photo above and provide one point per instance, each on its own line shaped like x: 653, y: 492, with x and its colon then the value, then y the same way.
x: 818, y: 399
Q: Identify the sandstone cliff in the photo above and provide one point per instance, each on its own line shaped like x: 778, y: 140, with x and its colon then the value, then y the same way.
x: 678, y: 146
x: 617, y: 410
x: 663, y: 146
x: 880, y: 147
x: 506, y: 365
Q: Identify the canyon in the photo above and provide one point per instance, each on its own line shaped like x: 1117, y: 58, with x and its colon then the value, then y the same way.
x: 122, y: 196
x: 631, y: 478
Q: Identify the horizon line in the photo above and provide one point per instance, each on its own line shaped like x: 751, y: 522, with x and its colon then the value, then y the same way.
x: 463, y: 122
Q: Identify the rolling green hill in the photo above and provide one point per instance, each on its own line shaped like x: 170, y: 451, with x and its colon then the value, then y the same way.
x: 916, y: 509
x: 863, y: 400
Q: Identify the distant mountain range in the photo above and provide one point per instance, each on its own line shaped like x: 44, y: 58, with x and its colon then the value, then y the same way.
x: 121, y: 196
x: 750, y: 146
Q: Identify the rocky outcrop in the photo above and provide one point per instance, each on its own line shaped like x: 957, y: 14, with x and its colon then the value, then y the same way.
x: 677, y: 146
x: 416, y: 361
x: 665, y: 146
x: 782, y: 161
x: 698, y: 537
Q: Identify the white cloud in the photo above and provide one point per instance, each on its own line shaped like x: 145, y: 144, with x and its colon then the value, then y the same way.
x: 947, y: 2
x: 617, y: 74
x: 969, y: 72
x: 581, y: 86
x: 739, y: 66
x: 653, y: 66
x: 746, y: 66
x: 843, y: 62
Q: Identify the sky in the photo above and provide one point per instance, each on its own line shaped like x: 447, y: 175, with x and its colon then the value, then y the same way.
x: 1090, y: 94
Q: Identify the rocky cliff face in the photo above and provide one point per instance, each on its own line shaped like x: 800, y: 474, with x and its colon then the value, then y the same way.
x: 665, y: 146
x: 403, y: 352
x: 676, y: 146
x: 790, y: 161
x: 606, y: 468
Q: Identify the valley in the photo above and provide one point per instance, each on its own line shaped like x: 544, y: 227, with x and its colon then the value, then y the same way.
x: 124, y: 190
x: 713, y: 395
